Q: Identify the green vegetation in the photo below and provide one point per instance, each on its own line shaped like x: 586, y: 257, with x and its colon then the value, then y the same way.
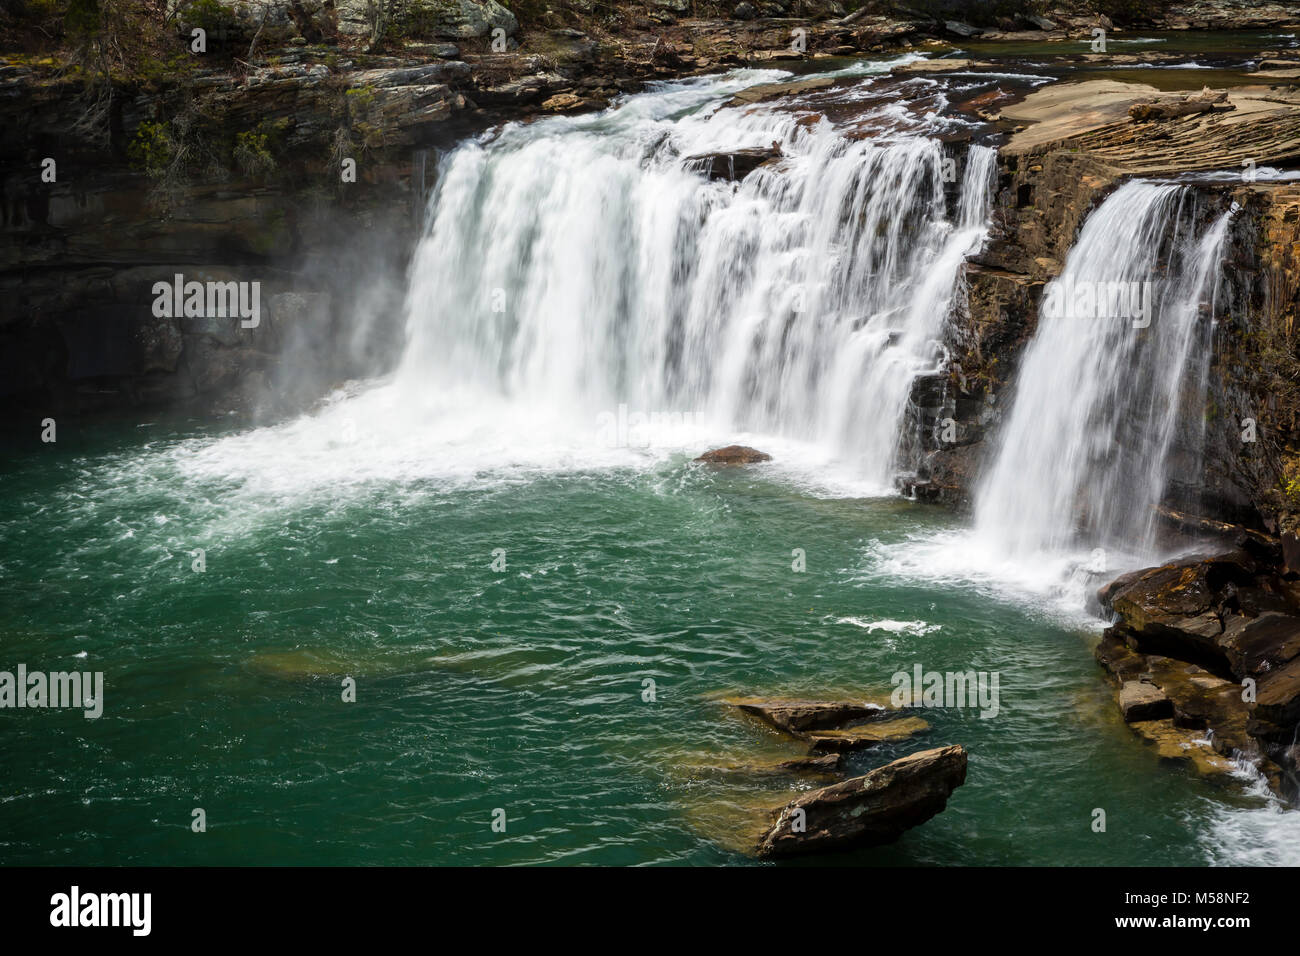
x: 152, y: 150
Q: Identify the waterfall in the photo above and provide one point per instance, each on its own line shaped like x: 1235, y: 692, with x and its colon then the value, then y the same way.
x: 1115, y: 372
x: 574, y: 265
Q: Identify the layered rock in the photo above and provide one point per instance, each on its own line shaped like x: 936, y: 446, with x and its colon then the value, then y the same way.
x: 873, y: 809
x: 1211, y: 643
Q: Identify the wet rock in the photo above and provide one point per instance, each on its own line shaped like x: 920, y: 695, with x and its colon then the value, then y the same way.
x: 733, y: 165
x: 1139, y: 701
x: 871, y: 810
x: 771, y: 91
x: 734, y: 455
x: 865, y: 736
x: 799, y: 717
x: 1254, y: 645
x: 1183, y: 746
x: 1277, y: 698
x: 1175, y: 608
x: 816, y: 764
x: 744, y: 11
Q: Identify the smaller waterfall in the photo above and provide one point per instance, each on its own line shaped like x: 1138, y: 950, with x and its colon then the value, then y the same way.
x: 1115, y: 373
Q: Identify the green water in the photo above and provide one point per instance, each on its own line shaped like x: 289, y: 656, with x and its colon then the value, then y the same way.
x: 1167, y: 60
x: 519, y: 689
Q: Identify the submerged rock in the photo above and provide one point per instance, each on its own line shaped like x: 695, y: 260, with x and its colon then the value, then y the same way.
x: 870, y: 810
x: 1184, y: 746
x: 867, y: 735
x: 734, y: 455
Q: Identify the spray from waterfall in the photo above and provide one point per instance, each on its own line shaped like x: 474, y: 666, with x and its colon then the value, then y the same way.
x: 575, y: 267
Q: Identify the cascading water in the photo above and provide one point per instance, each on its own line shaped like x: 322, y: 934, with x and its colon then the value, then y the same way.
x: 572, y: 266
x: 1101, y: 395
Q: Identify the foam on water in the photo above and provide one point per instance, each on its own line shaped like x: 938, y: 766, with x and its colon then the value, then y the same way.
x: 578, y: 272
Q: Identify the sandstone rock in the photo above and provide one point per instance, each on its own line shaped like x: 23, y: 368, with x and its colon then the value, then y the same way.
x: 770, y: 91
x: 870, y: 810
x: 1277, y: 699
x: 864, y: 736
x: 1255, y: 645
x: 1041, y: 23
x: 1184, y: 746
x: 1139, y: 701
x: 562, y: 103
x: 822, y: 764
x: 1207, y: 101
x: 734, y: 455
x: 799, y: 717
x: 1174, y: 608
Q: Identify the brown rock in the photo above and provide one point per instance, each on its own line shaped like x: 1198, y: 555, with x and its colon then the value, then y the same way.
x: 1258, y: 644
x: 1207, y: 101
x: 799, y: 717
x: 1139, y: 701
x: 769, y: 91
x: 867, y: 735
x: 734, y: 455
x: 733, y: 165
x: 870, y: 810
x: 1277, y: 697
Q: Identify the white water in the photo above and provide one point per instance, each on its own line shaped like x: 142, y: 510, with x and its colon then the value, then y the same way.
x: 1085, y: 454
x: 573, y: 266
x: 1091, y: 439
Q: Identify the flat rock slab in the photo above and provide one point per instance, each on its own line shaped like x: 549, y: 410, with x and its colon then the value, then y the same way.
x: 1252, y: 122
x: 799, y: 717
x: 1140, y: 701
x: 867, y: 735
x: 1184, y: 746
x: 871, y: 810
x: 771, y: 91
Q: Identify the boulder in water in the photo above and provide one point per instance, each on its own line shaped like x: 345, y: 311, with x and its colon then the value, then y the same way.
x: 870, y: 810
x: 799, y: 717
x: 734, y: 455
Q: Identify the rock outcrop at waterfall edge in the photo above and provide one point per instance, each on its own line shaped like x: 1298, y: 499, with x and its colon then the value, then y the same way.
x: 1206, y: 655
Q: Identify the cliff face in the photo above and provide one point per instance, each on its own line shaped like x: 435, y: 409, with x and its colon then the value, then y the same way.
x: 217, y: 168
x: 1238, y: 446
x: 294, y: 151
